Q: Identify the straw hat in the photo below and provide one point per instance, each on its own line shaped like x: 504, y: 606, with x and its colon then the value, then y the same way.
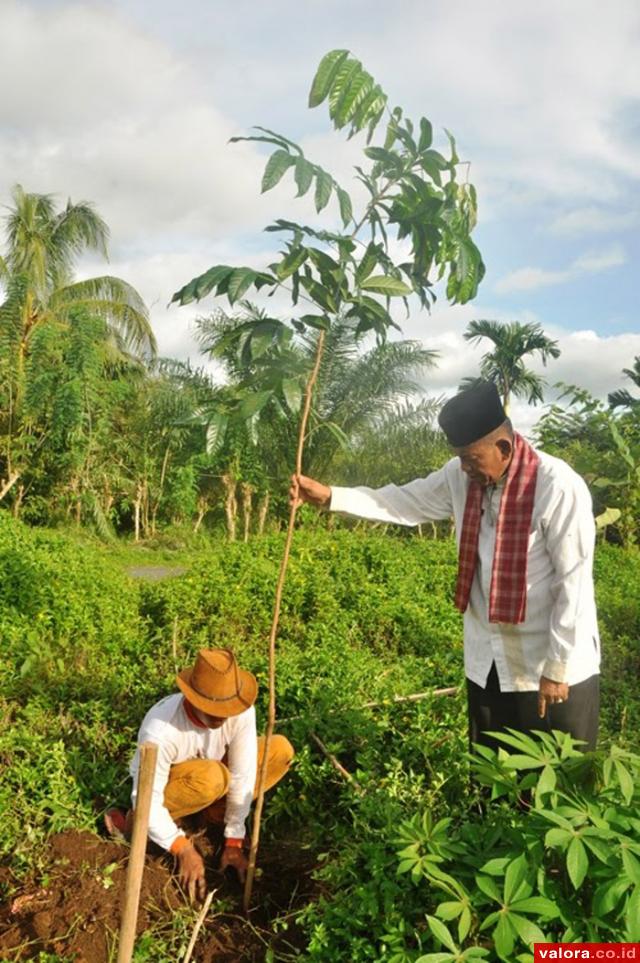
x: 216, y: 685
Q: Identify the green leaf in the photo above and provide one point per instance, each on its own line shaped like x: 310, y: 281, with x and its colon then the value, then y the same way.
x: 514, y: 876
x: 254, y: 403
x: 441, y: 933
x: 324, y: 186
x: 385, y: 284
x: 353, y: 94
x: 436, y: 958
x: 504, y: 939
x: 489, y: 888
x: 293, y: 260
x: 625, y: 780
x: 496, y: 866
x: 527, y: 931
x: 385, y: 157
x: 318, y: 321
x: 631, y: 866
x: 200, y: 286
x: 292, y: 394
x: 325, y: 75
x: 216, y: 430
x: 368, y: 262
x: 449, y: 910
x: 303, y: 175
x: 452, y: 143
x: 577, y: 862
x: 608, y: 895
x: 539, y: 905
x: 277, y: 165
x: 464, y: 924
x: 240, y: 282
x: 346, y: 210
x: 426, y: 135
x: 547, y: 781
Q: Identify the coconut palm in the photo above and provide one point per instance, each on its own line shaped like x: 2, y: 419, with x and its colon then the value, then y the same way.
x: 504, y: 365
x: 42, y: 247
x: 621, y: 398
x: 42, y: 300
x: 355, y: 387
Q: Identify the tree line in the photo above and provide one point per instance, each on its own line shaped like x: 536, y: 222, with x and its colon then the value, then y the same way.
x: 97, y: 430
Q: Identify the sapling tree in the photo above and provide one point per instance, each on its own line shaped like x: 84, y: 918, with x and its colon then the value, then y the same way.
x: 349, y: 273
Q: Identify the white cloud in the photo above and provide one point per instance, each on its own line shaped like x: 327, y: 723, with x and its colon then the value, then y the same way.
x: 532, y: 278
x: 593, y: 220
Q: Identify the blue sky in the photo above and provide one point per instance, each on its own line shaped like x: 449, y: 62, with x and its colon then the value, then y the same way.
x: 130, y: 104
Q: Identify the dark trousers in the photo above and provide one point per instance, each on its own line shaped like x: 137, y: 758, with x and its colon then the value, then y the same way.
x: 493, y: 710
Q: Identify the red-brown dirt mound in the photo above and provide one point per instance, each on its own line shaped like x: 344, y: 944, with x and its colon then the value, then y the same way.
x: 73, y: 908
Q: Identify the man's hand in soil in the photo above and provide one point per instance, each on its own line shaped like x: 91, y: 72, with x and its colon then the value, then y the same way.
x: 551, y: 693
x: 191, y: 872
x: 234, y: 856
x: 309, y: 490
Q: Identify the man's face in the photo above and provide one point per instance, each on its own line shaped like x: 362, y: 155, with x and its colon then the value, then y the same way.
x: 485, y: 462
x: 213, y: 722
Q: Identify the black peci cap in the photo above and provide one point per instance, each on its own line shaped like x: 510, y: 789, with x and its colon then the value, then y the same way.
x: 472, y: 414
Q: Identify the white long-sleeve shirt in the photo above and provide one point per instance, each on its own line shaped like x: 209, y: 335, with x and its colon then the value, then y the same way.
x: 178, y: 739
x: 559, y: 637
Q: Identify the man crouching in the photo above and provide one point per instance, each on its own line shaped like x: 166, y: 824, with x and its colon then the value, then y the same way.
x: 208, y: 758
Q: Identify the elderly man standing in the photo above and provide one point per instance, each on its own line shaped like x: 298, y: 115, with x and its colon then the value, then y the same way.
x: 208, y: 758
x: 525, y: 534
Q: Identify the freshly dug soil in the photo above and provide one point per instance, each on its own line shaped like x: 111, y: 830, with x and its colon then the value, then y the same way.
x: 73, y: 909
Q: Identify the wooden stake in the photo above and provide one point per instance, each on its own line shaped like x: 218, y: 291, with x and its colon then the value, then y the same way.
x: 415, y: 697
x: 255, y: 836
x: 146, y: 772
x: 197, y: 927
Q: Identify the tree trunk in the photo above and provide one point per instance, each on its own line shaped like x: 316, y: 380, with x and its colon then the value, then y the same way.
x: 137, y: 505
x: 262, y: 512
x: 18, y: 501
x: 203, y: 508
x: 247, y: 493
x: 230, y: 505
x: 163, y: 475
x: 7, y: 484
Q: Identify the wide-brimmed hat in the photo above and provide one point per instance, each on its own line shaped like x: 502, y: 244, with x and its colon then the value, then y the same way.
x: 216, y: 685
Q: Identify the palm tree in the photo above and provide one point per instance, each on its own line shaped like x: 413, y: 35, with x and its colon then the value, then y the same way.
x: 42, y: 248
x: 621, y: 398
x: 355, y: 388
x: 504, y: 365
x: 36, y: 273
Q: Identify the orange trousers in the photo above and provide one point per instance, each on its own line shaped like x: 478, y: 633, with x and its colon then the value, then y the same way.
x: 199, y: 784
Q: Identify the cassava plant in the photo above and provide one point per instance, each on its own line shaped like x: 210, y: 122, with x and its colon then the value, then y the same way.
x: 348, y: 273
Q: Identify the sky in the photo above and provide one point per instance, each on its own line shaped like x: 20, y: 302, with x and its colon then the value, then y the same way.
x: 131, y: 104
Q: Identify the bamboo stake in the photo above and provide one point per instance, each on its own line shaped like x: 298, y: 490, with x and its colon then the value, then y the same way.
x: 146, y: 772
x: 255, y: 836
x: 415, y: 697
x: 197, y: 927
x: 337, y: 765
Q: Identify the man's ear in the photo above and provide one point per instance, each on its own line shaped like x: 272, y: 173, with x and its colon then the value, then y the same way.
x: 506, y: 447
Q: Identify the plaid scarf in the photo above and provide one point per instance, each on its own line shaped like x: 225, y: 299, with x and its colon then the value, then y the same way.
x: 508, y: 593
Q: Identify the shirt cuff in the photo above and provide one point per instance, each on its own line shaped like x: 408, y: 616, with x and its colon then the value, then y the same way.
x: 178, y: 845
x: 556, y: 671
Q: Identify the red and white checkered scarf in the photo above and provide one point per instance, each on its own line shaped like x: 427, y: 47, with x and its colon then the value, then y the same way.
x: 508, y: 593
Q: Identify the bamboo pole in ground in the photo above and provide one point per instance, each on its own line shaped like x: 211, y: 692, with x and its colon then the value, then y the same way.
x: 255, y: 835
x: 146, y: 772
x: 392, y: 700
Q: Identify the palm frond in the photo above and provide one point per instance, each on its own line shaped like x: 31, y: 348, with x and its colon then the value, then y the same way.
x: 117, y: 302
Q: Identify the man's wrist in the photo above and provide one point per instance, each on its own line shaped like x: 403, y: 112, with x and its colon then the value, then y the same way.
x: 234, y: 842
x: 179, y: 844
